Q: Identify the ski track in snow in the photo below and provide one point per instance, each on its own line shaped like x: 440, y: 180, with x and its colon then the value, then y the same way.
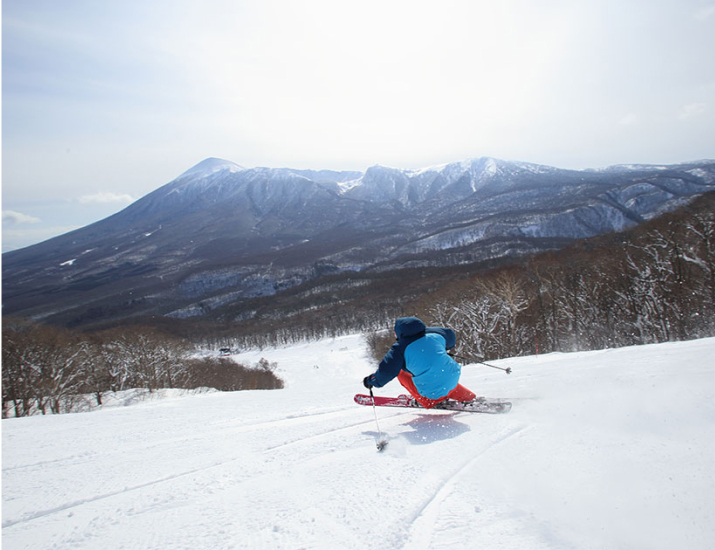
x: 607, y: 449
x: 285, y: 423
x: 424, y: 523
x: 260, y: 425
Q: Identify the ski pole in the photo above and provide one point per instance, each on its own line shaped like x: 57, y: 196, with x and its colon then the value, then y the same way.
x: 381, y: 443
x: 507, y: 370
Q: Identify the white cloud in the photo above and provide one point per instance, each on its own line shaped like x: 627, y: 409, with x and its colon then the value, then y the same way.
x: 12, y: 217
x: 706, y: 12
x: 692, y: 110
x: 628, y: 120
x: 105, y: 198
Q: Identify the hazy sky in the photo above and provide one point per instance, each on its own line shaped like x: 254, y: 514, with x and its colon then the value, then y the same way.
x: 104, y: 101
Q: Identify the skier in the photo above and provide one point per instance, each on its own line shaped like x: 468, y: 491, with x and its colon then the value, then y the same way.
x: 420, y: 362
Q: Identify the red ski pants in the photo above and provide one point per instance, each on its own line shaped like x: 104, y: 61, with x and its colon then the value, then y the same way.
x: 460, y: 393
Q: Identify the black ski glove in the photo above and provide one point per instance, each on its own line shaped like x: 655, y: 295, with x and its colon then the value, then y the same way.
x: 366, y: 382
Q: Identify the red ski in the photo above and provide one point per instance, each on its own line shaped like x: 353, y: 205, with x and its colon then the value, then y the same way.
x: 480, y: 404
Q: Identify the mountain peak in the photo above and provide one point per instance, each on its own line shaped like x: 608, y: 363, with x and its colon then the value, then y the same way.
x: 210, y: 166
x: 221, y: 236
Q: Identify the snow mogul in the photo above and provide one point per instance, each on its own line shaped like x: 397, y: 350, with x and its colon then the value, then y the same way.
x: 420, y: 362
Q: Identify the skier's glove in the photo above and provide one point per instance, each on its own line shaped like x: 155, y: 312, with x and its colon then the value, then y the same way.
x: 366, y: 382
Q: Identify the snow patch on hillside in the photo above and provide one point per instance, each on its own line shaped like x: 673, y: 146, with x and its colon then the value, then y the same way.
x: 210, y: 166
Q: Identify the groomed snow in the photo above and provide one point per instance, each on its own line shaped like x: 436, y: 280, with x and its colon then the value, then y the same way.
x: 603, y: 450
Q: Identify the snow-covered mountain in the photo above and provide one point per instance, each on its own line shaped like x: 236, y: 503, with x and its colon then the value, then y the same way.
x: 610, y: 449
x: 220, y: 233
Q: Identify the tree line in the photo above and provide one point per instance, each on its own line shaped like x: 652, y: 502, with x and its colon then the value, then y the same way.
x: 47, y: 369
x: 650, y: 284
x: 655, y: 283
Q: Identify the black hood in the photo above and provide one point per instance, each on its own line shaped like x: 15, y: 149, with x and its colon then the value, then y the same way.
x: 409, y: 326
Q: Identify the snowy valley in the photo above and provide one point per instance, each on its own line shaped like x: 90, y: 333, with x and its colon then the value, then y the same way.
x: 602, y: 449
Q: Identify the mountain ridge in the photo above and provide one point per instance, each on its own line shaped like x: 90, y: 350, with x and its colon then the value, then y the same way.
x: 220, y: 233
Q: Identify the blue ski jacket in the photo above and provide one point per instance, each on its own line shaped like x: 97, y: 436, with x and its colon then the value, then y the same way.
x: 421, y: 351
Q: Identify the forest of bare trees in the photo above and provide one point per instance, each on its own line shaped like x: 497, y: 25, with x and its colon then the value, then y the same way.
x: 655, y: 283
x: 652, y: 284
x: 50, y: 370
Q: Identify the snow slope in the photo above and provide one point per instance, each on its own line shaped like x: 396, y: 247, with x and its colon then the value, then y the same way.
x: 602, y: 450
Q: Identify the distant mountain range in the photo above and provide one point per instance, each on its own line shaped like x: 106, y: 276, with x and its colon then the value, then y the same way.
x: 219, y: 233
